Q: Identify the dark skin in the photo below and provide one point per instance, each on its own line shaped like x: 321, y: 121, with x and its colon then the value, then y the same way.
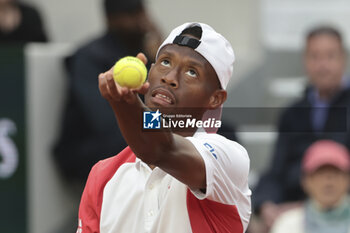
x: 187, y: 80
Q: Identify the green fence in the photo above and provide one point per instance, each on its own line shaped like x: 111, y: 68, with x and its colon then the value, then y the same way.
x: 13, y: 203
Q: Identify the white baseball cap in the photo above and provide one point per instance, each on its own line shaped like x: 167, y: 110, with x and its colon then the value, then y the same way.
x: 214, y: 48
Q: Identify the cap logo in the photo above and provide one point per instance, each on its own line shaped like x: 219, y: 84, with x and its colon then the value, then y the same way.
x: 186, y: 41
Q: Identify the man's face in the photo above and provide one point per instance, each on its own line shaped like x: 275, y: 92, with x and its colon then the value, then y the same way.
x: 180, y: 78
x: 324, y: 62
x: 327, y: 185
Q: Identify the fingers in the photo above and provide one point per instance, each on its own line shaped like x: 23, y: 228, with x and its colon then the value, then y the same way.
x: 142, y: 57
x: 143, y: 89
x: 112, y: 92
x: 108, y: 88
x: 129, y: 96
x: 112, y: 86
x: 102, y: 85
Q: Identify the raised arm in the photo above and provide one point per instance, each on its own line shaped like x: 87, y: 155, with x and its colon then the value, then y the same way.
x: 172, y: 153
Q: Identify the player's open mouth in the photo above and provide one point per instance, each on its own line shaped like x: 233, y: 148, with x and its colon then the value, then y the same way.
x: 163, y: 96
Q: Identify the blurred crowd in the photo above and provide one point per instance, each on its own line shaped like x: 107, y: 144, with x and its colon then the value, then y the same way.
x: 321, y: 113
x: 20, y: 23
x: 304, y: 189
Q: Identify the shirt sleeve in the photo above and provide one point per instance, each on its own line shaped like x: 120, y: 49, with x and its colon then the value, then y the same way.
x: 227, y: 169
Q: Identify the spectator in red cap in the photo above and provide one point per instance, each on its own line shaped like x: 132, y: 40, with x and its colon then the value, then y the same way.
x: 325, y: 180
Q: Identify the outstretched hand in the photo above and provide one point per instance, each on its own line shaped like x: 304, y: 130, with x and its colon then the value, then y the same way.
x: 114, y: 93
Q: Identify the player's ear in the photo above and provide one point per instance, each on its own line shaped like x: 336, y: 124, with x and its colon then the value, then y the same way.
x: 217, y: 98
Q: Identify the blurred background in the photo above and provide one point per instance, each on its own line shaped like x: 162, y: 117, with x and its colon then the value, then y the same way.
x: 268, y: 40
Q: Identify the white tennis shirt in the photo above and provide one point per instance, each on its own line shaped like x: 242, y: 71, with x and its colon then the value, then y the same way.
x: 123, y: 195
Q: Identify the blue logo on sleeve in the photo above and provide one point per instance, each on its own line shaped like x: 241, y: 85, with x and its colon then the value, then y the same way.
x: 151, y: 120
x: 211, y: 149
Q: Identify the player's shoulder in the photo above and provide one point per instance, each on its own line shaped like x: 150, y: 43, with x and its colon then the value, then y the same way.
x: 107, y: 167
x: 103, y: 171
x: 227, y: 152
x: 213, y: 137
x: 224, y: 156
x: 220, y: 141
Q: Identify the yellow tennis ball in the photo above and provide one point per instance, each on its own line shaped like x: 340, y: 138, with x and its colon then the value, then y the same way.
x: 130, y: 72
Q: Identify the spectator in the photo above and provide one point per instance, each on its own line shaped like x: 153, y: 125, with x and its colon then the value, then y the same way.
x: 89, y: 132
x: 325, y: 179
x: 319, y: 114
x: 20, y: 23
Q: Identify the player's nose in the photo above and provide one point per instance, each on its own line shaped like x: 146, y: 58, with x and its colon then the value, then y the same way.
x: 171, y: 79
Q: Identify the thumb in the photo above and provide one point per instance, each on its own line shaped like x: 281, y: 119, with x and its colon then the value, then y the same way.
x: 142, y: 57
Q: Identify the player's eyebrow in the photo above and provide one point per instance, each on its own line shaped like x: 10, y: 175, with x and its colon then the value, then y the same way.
x: 166, y: 53
x: 189, y: 60
x: 194, y: 63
